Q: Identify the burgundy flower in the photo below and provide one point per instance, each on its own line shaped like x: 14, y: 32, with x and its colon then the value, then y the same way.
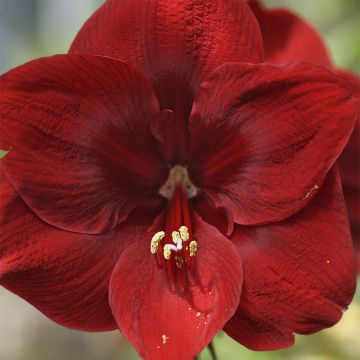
x: 187, y: 189
x: 289, y: 38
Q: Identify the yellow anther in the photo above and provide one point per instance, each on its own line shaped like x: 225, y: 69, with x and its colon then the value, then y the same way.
x: 175, y: 237
x: 155, y: 241
x: 184, y: 233
x: 193, y: 248
x: 167, y: 251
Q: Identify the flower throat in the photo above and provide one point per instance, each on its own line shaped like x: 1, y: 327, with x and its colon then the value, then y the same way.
x: 174, y: 248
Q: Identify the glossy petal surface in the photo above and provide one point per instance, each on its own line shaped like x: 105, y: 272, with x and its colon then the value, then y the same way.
x: 298, y: 274
x: 288, y: 38
x: 82, y: 156
x: 263, y: 137
x: 166, y: 324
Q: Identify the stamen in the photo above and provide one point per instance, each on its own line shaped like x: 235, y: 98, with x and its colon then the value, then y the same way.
x: 176, y: 237
x: 182, y: 255
x: 176, y: 252
x: 193, y: 248
x: 184, y: 233
x: 155, y: 241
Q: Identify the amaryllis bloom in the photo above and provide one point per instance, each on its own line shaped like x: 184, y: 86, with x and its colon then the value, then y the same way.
x: 289, y: 38
x: 162, y: 180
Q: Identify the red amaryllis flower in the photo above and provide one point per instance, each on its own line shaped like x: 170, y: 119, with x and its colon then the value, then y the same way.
x: 184, y: 196
x: 289, y: 38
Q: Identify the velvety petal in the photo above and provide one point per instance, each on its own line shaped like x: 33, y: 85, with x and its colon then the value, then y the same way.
x: 217, y: 217
x: 349, y: 164
x: 298, y: 274
x: 63, y: 274
x: 167, y: 324
x: 288, y: 38
x: 264, y: 136
x: 78, y: 127
x: 174, y: 43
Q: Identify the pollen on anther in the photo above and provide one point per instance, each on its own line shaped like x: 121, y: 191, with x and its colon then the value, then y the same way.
x: 193, y: 248
x: 175, y: 237
x: 155, y: 241
x: 167, y: 252
x: 184, y: 233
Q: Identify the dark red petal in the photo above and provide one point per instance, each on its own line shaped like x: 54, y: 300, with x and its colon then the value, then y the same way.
x: 298, y: 274
x: 63, y: 274
x: 174, y: 43
x: 263, y: 137
x: 205, y: 207
x: 289, y: 38
x: 79, y: 128
x: 349, y: 164
x: 165, y: 324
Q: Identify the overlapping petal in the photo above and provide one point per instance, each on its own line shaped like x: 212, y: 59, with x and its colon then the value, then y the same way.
x: 171, y: 324
x: 174, y: 43
x: 288, y: 38
x: 349, y: 164
x: 217, y: 217
x: 263, y: 137
x: 64, y: 274
x: 298, y: 274
x: 78, y: 127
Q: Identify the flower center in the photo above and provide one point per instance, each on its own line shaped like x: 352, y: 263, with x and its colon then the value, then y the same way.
x: 174, y: 248
x: 178, y: 176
